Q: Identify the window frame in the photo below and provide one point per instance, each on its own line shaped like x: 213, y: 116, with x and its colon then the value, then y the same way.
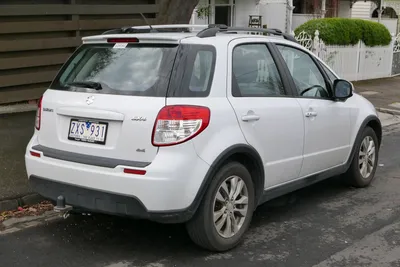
x: 326, y: 70
x: 296, y: 94
x: 287, y: 88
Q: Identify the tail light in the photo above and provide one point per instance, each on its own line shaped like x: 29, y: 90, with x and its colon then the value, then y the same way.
x: 178, y: 124
x: 39, y: 114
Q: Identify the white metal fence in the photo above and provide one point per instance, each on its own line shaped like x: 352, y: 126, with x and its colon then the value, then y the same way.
x: 354, y: 63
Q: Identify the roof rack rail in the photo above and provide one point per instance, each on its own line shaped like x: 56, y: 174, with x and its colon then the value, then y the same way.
x: 214, y: 29
x: 158, y: 28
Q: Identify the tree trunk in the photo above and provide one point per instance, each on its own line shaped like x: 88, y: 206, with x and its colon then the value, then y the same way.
x: 175, y: 11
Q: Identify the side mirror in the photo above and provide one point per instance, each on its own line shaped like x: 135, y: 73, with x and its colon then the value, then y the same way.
x: 342, y: 89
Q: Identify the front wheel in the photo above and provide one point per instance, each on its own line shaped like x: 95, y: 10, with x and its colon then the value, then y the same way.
x: 363, y: 167
x: 226, y: 210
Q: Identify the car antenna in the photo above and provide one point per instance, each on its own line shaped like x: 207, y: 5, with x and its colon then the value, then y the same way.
x: 147, y: 22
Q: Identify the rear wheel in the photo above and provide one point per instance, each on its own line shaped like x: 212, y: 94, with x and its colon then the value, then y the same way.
x: 226, y: 210
x: 363, y: 167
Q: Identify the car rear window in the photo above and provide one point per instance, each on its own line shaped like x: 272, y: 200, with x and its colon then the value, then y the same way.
x: 142, y: 70
x: 139, y: 70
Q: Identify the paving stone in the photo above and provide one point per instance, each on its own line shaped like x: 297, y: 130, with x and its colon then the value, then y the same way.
x: 6, y: 205
x: 32, y: 199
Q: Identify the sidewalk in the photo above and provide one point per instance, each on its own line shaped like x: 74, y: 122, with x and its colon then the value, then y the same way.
x: 383, y: 93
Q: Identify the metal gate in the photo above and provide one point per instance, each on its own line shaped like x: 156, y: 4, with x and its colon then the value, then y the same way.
x: 396, y: 56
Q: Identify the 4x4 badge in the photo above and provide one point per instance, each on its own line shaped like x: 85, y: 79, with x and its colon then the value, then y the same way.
x: 90, y: 100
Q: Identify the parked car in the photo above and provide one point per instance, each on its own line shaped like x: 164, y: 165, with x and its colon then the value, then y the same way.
x: 196, y: 126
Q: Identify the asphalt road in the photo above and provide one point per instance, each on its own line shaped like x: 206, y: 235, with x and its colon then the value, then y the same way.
x: 327, y: 224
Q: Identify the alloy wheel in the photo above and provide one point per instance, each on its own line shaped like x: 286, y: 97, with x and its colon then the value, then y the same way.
x: 230, y: 206
x: 367, y: 157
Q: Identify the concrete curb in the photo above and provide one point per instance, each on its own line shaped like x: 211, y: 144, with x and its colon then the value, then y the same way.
x: 394, y: 112
x: 8, y: 109
x: 16, y: 224
x: 13, y: 204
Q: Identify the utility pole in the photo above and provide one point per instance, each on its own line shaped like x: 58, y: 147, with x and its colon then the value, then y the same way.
x: 323, y: 8
x: 380, y: 11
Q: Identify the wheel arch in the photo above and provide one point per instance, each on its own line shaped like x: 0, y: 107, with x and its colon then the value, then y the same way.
x: 370, y: 121
x: 241, y: 153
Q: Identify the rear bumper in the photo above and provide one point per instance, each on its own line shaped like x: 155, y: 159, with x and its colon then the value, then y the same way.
x: 169, y: 191
x: 104, y: 202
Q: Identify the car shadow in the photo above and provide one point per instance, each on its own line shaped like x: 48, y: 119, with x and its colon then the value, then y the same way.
x: 124, y: 238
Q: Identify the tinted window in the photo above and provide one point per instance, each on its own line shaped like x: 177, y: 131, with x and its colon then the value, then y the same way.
x: 193, y: 71
x: 142, y: 70
x: 254, y: 72
x: 308, y: 79
x: 201, y: 73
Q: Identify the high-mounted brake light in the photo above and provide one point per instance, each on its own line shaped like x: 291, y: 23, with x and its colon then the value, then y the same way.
x: 39, y: 114
x: 179, y: 123
x: 123, y: 40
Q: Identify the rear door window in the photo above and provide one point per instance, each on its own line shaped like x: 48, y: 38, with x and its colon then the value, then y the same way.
x: 254, y: 72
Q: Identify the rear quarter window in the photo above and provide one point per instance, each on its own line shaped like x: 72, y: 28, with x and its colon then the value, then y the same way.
x: 193, y: 71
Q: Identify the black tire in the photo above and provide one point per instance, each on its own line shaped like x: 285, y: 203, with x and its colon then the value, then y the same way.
x: 201, y: 227
x: 353, y: 175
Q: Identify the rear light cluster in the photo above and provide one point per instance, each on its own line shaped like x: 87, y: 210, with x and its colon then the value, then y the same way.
x: 178, y: 124
x: 39, y: 114
x: 35, y: 154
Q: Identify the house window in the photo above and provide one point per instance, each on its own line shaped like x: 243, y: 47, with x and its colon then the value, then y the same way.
x: 305, y: 6
x: 222, y: 12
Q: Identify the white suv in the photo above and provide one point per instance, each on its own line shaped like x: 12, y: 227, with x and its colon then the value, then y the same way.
x: 196, y: 126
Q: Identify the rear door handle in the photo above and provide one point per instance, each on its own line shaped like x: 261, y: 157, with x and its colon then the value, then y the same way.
x: 311, y: 114
x: 250, y: 117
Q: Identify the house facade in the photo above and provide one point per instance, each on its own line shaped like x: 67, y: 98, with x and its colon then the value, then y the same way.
x: 285, y: 15
x: 305, y: 10
x: 369, y: 10
x: 243, y: 13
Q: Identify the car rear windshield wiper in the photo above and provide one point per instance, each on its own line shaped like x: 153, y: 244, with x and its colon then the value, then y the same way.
x: 86, y: 84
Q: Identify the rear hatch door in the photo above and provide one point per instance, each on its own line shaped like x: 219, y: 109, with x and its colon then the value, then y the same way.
x: 105, y: 100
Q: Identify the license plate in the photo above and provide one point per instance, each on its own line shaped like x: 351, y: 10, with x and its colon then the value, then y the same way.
x: 88, y: 131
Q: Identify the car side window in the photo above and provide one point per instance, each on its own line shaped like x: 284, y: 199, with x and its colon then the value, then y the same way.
x: 254, y: 73
x: 201, y: 71
x: 308, y: 78
x: 332, y: 77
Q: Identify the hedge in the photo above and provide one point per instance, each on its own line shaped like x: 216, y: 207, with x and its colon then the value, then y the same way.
x: 344, y: 31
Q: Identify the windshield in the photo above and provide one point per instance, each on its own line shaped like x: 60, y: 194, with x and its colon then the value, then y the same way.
x: 142, y: 70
